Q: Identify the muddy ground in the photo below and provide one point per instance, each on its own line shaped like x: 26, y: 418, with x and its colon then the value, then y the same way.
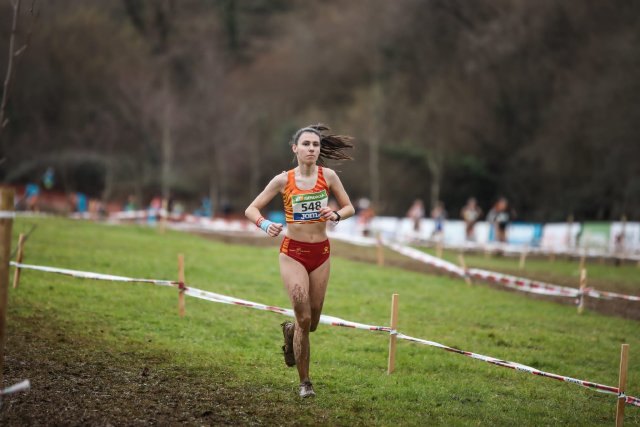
x: 82, y: 381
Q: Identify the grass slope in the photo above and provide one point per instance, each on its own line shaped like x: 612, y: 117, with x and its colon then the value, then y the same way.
x: 237, y: 349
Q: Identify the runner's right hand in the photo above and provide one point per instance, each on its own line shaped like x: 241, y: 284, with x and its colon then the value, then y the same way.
x: 274, y: 229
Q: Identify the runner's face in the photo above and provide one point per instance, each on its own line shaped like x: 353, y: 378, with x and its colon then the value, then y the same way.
x: 308, y: 148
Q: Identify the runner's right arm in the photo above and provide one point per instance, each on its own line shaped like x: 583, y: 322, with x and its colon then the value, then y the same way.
x: 275, y: 186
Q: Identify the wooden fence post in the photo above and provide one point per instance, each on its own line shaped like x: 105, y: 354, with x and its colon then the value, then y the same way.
x: 622, y: 383
x: 164, y: 212
x: 463, y: 265
x: 181, y: 302
x: 379, y: 250
x: 392, y: 337
x: 19, y: 256
x: 583, y: 286
x: 6, y: 224
x: 523, y: 258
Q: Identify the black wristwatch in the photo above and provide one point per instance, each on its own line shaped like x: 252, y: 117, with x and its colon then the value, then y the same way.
x: 338, y: 215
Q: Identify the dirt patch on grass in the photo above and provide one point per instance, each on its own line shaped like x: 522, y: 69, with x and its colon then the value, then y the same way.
x: 79, y: 380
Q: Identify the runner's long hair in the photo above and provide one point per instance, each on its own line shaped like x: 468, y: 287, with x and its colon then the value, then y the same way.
x: 331, y: 146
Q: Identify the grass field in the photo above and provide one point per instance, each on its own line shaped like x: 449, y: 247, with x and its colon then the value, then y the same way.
x: 224, y: 364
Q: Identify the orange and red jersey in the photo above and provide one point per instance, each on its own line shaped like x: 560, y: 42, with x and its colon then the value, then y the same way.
x: 303, y: 206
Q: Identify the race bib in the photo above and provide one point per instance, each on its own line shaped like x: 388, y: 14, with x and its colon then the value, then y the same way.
x: 306, y: 207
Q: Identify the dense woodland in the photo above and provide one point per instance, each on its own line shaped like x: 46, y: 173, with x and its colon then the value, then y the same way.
x: 534, y: 100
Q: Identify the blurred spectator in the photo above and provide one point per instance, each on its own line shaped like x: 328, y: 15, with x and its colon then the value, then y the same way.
x: 131, y: 204
x: 416, y: 213
x: 470, y: 214
x: 365, y: 214
x: 48, y: 179
x: 31, y: 193
x: 499, y: 217
x: 80, y: 200
x: 438, y: 214
x: 205, y: 209
x: 153, y: 211
x: 227, y: 208
x: 177, y: 208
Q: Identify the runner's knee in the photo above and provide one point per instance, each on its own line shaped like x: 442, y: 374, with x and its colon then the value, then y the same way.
x: 303, y: 321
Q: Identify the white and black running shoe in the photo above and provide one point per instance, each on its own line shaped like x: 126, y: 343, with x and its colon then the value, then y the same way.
x: 306, y: 389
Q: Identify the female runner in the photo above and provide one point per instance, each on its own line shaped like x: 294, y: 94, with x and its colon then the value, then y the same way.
x: 305, y: 249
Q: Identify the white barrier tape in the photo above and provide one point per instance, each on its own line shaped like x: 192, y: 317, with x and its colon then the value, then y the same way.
x: 199, y: 293
x: 523, y: 284
x: 517, y: 366
x: 426, y: 258
x: 90, y: 275
x: 335, y: 321
x: 21, y: 386
x: 542, y: 288
x: 513, y: 282
x: 630, y: 400
x: 325, y: 319
x: 594, y: 293
x: 7, y: 214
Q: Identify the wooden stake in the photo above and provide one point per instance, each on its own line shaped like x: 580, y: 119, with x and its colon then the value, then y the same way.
x: 19, y: 255
x: 439, y: 249
x: 523, y: 259
x: 163, y: 215
x: 392, y: 337
x: 6, y: 223
x: 463, y: 265
x: 181, y: 303
x: 569, y: 239
x: 552, y: 256
x: 622, y: 383
x: 582, y: 262
x: 379, y: 250
x: 583, y: 286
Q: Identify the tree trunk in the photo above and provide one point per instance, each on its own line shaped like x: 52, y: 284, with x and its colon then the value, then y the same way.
x: 167, y: 143
x: 7, y: 79
x: 214, y: 192
x: 254, y: 161
x: 374, y: 140
x: 108, y: 181
x: 435, y: 172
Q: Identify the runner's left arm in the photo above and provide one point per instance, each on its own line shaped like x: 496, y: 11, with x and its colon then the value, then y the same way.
x: 337, y: 189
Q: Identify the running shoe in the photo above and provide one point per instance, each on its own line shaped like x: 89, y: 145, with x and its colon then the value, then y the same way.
x: 306, y: 389
x: 287, y: 348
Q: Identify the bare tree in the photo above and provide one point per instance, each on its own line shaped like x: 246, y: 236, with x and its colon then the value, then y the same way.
x: 13, y: 53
